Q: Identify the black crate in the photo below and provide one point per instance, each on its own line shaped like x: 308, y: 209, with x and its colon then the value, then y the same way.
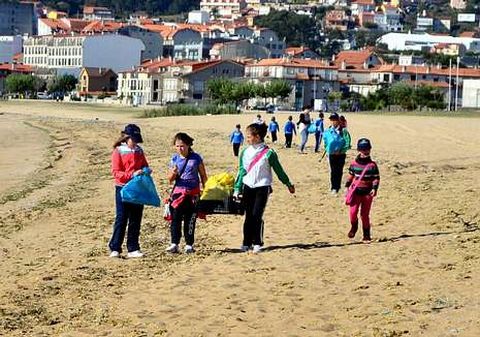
x: 225, y: 206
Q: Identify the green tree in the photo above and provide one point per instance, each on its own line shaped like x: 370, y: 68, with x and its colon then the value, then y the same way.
x: 278, y: 88
x: 402, y: 94
x: 64, y: 83
x: 296, y: 29
x: 23, y: 84
x: 221, y: 90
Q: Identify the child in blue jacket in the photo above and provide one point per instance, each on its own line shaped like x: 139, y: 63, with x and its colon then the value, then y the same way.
x: 236, y: 138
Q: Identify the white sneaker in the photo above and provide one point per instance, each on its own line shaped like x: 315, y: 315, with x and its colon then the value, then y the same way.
x: 334, y: 193
x: 134, y: 254
x: 173, y: 248
x: 244, y: 248
x: 257, y: 249
x: 114, y: 253
x: 189, y: 249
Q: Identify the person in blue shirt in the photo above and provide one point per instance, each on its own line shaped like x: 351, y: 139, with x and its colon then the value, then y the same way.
x: 289, y: 130
x: 236, y: 138
x: 319, y: 131
x: 273, y: 128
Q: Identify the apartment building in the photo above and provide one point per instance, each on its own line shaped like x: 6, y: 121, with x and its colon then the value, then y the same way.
x: 231, y: 9
x: 310, y: 79
x: 71, y: 53
x: 17, y: 18
x: 167, y: 81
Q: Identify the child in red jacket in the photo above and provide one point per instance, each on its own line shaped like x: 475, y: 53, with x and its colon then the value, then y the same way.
x: 366, y: 189
x: 128, y: 160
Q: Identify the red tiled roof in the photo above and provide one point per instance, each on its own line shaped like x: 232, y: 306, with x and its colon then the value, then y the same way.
x: 296, y: 50
x: 77, y: 25
x: 97, y: 72
x: 425, y: 70
x: 295, y: 62
x: 364, y: 2
x: 102, y: 26
x: 56, y: 24
x: 16, y: 68
x: 353, y: 57
x: 428, y: 83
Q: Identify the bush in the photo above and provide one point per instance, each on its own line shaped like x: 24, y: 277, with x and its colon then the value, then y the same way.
x: 189, y: 110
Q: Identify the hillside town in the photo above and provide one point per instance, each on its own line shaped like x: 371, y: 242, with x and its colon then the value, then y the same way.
x: 355, y: 50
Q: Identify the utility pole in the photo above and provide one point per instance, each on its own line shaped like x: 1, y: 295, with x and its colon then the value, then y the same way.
x: 314, y: 86
x: 456, y: 88
x: 450, y: 85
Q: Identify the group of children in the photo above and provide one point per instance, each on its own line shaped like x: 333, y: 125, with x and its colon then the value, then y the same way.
x: 252, y: 185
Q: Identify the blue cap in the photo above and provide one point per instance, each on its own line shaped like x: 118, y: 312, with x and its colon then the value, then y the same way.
x: 364, y: 144
x: 334, y: 116
x: 133, y: 131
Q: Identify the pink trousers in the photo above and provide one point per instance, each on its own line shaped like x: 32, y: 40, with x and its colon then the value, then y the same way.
x: 362, y: 203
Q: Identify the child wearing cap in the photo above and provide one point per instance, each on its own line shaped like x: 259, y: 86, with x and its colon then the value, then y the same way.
x: 128, y: 160
x: 236, y: 138
x: 337, y: 142
x: 366, y: 189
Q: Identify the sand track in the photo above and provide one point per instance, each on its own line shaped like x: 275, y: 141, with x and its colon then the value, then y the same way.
x: 419, y: 278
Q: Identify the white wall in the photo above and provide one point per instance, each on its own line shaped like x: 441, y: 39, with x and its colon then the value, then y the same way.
x: 471, y: 94
x: 43, y: 29
x: 116, y: 52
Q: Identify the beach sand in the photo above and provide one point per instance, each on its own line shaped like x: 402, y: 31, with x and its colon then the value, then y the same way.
x: 419, y: 277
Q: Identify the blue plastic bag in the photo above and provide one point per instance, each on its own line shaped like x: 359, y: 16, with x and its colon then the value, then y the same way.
x: 312, y: 128
x: 141, y: 190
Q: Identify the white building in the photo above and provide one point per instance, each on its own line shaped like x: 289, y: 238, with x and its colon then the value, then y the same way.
x: 200, y: 17
x: 9, y: 46
x: 71, y: 53
x: 224, y: 8
x: 471, y: 94
x: 405, y: 41
x: 97, y: 13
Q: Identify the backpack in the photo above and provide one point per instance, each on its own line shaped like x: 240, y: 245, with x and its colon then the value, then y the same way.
x: 334, y: 141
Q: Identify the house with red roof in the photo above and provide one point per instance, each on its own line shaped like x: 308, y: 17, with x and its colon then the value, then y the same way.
x: 167, y: 80
x: 7, y: 69
x: 180, y: 43
x: 310, y: 79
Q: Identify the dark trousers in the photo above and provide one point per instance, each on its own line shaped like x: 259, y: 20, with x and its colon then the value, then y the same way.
x: 236, y: 148
x: 337, y: 162
x: 126, y: 214
x: 274, y: 136
x: 318, y: 140
x: 185, y: 213
x: 255, y: 201
x: 288, y: 140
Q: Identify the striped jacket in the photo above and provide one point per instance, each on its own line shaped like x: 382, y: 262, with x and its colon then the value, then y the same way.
x: 125, y: 161
x: 370, y: 180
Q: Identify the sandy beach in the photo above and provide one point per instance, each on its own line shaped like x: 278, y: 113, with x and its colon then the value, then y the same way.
x: 419, y: 277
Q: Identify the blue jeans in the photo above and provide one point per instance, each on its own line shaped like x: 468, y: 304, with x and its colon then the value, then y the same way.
x: 304, y: 135
x: 126, y: 213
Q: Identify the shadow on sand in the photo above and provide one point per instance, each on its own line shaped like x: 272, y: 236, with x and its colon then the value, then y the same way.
x: 320, y: 244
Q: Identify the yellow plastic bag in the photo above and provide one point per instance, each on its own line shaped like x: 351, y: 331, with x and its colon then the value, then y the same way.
x: 218, y: 187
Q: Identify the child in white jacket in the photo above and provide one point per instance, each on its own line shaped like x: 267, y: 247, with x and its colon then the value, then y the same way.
x: 253, y: 183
